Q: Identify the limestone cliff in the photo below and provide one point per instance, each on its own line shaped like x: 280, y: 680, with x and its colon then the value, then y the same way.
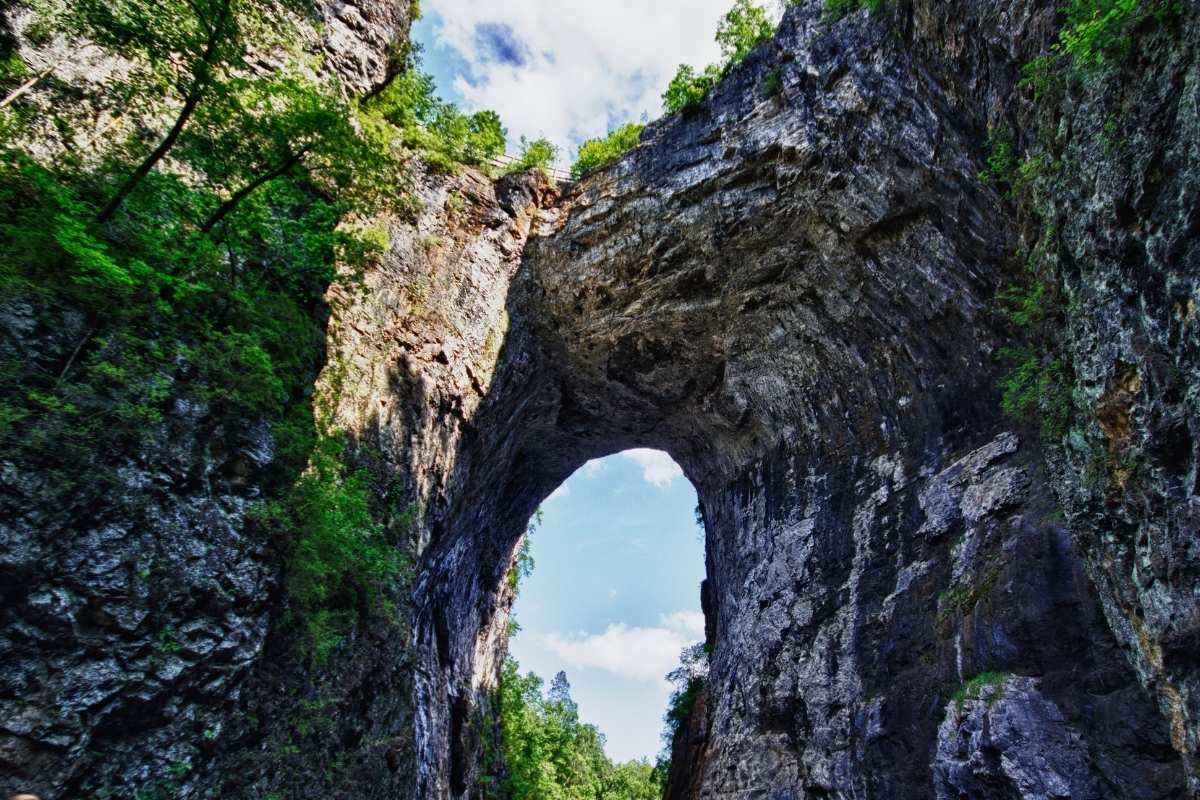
x: 793, y: 293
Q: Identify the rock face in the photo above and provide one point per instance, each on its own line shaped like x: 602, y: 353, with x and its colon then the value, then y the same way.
x: 125, y: 628
x: 365, y: 41
x: 1130, y: 254
x: 794, y: 295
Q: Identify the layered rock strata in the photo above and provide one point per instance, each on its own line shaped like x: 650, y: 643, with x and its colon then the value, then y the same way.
x: 794, y: 294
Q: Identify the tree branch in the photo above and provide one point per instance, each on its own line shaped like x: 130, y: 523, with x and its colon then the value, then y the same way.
x: 241, y: 194
x: 201, y: 77
x: 36, y: 79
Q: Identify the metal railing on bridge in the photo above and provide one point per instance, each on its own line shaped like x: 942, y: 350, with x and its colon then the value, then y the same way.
x: 559, y: 176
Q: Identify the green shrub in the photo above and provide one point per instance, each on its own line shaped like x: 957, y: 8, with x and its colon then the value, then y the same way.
x: 1095, y: 32
x: 410, y: 110
x: 836, y: 9
x: 1099, y: 30
x: 1040, y: 74
x: 343, y: 560
x: 689, y: 680
x: 743, y: 28
x: 1038, y: 385
x: 773, y: 84
x: 341, y: 545
x: 1002, y: 162
x: 689, y: 88
x: 166, y: 788
x: 1038, y: 389
x: 973, y: 688
x: 595, y: 153
x: 534, y: 154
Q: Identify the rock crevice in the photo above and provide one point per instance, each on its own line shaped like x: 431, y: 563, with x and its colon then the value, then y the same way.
x: 907, y: 595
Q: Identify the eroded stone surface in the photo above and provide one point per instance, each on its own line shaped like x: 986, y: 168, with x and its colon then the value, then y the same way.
x: 795, y: 297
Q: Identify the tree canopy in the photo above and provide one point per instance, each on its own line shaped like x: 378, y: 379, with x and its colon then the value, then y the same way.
x: 547, y: 753
x: 595, y: 153
x: 742, y: 29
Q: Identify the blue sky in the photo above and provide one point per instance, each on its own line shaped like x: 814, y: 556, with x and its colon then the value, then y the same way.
x: 568, y: 70
x: 615, y: 593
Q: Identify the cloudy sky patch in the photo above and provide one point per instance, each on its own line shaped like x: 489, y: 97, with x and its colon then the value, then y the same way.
x: 497, y: 42
x: 565, y: 69
x: 644, y: 654
x: 658, y: 468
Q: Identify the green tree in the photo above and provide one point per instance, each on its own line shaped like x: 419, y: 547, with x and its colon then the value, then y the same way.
x: 535, y: 154
x: 632, y: 780
x: 486, y: 137
x: 409, y: 110
x: 836, y: 9
x: 547, y: 753
x: 742, y: 29
x: 254, y: 131
x: 188, y: 44
x: 688, y: 679
x: 689, y: 88
x: 595, y: 153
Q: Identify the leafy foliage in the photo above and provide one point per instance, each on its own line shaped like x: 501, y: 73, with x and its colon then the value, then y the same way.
x: 973, y: 688
x: 341, y: 555
x: 773, y: 83
x: 1002, y: 161
x: 185, y: 270
x: 167, y: 318
x: 688, y: 679
x: 836, y: 9
x: 523, y: 564
x: 742, y: 29
x: 546, y: 753
x: 409, y: 110
x: 1098, y: 30
x: 535, y: 154
x: 595, y: 153
x: 1095, y: 33
x: 1037, y: 386
x: 689, y: 88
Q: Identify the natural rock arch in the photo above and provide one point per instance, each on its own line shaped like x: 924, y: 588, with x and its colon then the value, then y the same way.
x: 792, y: 297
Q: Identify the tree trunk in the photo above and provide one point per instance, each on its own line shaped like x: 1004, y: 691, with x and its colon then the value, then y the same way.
x: 201, y: 76
x: 244, y: 192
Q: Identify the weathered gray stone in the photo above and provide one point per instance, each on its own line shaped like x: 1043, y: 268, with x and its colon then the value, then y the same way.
x: 795, y: 297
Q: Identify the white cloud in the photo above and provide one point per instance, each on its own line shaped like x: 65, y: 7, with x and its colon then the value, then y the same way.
x: 593, y: 468
x: 688, y: 622
x: 645, y: 654
x: 658, y: 468
x: 571, y: 69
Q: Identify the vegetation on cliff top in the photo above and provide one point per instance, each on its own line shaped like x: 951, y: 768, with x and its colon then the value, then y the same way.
x: 595, y: 153
x: 534, y: 154
x: 743, y: 28
x: 183, y: 252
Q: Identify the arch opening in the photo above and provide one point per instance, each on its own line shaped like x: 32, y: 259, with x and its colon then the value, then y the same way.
x: 613, y: 596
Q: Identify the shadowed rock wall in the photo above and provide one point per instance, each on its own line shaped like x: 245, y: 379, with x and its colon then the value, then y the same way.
x: 795, y: 296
